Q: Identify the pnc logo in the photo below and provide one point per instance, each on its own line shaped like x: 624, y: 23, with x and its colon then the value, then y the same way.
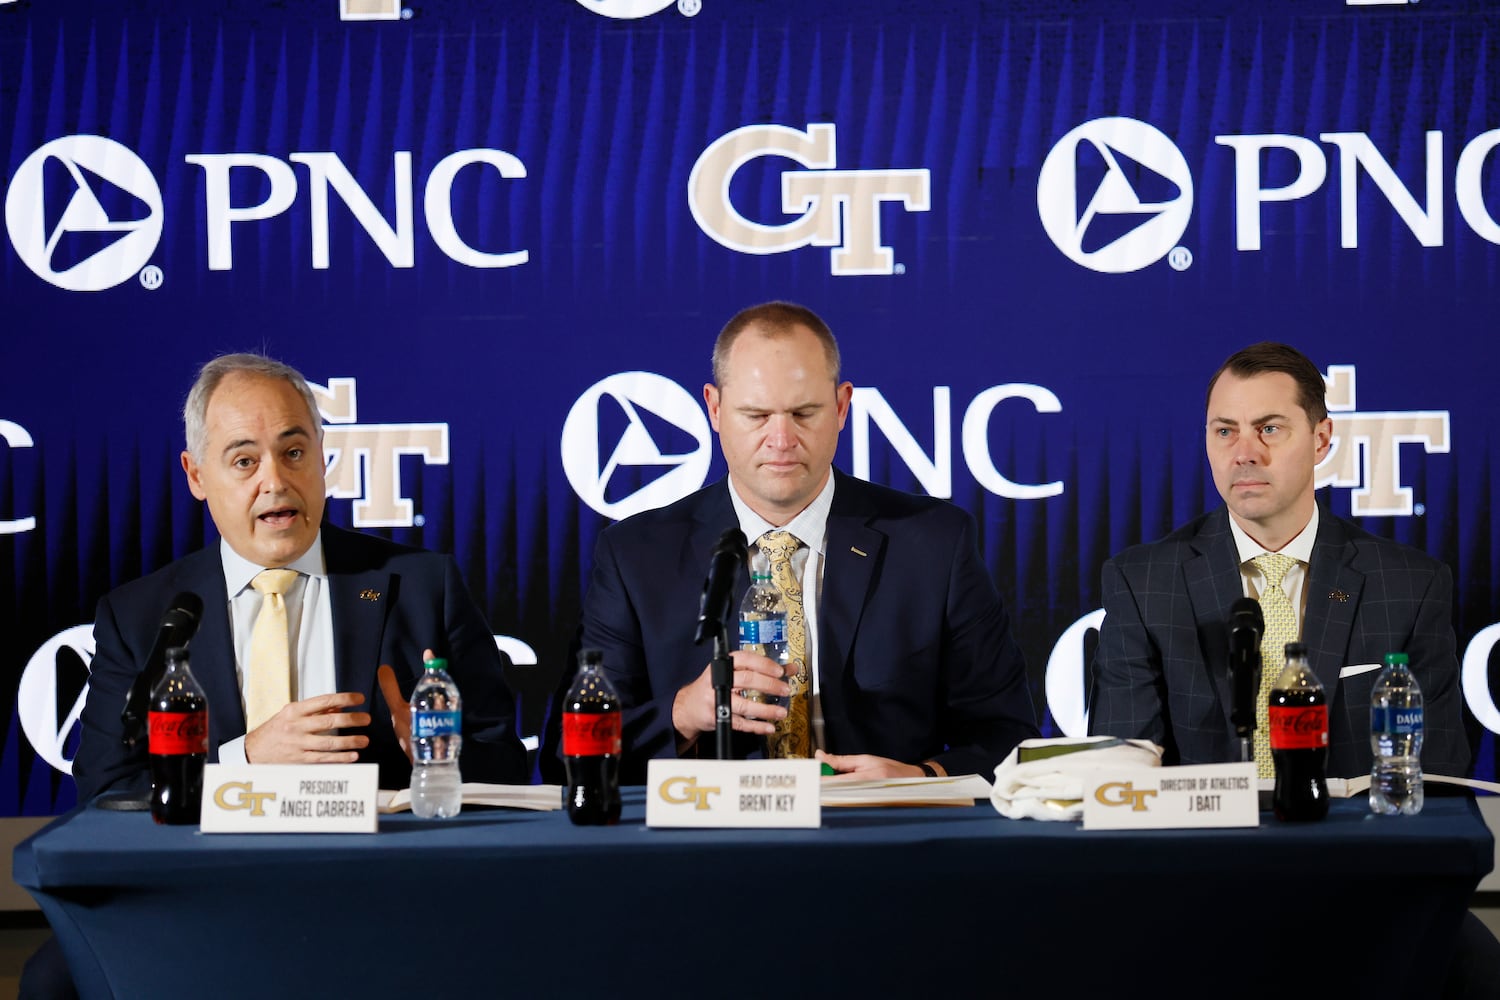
x: 84, y: 213
x: 50, y: 697
x: 1115, y: 195
x: 834, y: 208
x: 681, y: 791
x: 629, y: 10
x: 16, y: 436
x: 635, y: 441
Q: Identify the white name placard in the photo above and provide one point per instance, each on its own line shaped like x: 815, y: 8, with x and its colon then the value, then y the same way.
x: 733, y: 793
x: 290, y: 798
x: 1160, y: 798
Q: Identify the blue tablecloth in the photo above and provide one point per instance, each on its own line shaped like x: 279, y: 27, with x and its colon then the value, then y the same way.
x: 877, y: 902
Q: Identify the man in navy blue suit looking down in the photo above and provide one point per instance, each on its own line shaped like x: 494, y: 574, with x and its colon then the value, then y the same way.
x: 913, y: 668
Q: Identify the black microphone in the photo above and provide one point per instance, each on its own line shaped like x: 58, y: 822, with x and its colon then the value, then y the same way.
x: 723, y: 572
x: 177, y: 628
x: 1245, y: 629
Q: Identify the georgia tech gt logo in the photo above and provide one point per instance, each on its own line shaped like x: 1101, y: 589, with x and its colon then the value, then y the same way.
x: 1366, y: 451
x: 656, y: 429
x: 690, y: 791
x: 85, y: 247
x: 1123, y: 793
x: 364, y: 460
x: 1139, y: 203
x: 234, y: 795
x: 838, y: 208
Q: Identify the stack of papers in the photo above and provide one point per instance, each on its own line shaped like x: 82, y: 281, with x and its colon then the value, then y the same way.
x: 537, y: 797
x: 960, y: 790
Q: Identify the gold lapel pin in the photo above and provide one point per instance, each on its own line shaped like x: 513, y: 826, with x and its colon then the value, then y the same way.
x: 857, y: 552
x: 1338, y: 595
x: 369, y: 595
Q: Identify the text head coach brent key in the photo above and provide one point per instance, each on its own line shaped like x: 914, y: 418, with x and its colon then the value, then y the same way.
x: 298, y: 615
x: 902, y: 660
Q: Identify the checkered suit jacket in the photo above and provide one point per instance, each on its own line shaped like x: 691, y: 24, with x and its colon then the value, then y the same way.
x: 1161, y: 668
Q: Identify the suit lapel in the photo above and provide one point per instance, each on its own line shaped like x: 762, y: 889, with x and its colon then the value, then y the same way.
x: 1331, y: 598
x: 1214, y: 583
x: 211, y: 650
x: 853, y: 549
x: 358, y: 598
x: 714, y: 516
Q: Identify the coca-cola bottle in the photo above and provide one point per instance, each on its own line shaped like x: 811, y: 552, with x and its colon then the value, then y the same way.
x: 591, y: 744
x: 1298, y: 715
x: 178, y: 742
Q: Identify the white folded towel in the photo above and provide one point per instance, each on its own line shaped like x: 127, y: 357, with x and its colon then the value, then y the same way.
x: 1045, y: 779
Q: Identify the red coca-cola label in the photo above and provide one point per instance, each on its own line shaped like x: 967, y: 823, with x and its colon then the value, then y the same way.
x: 1298, y: 727
x: 173, y: 733
x: 591, y: 734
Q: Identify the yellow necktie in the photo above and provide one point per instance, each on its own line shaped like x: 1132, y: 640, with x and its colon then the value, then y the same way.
x: 269, y: 688
x: 1281, y: 628
x: 793, y: 736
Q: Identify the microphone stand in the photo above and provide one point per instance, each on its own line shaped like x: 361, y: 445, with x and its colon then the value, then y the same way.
x: 721, y: 673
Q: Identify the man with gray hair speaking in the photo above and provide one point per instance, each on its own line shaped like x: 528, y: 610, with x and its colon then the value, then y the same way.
x: 342, y: 607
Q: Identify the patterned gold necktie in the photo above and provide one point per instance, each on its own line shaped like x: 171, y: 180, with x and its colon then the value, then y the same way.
x: 269, y: 688
x: 1281, y: 628
x: 793, y: 736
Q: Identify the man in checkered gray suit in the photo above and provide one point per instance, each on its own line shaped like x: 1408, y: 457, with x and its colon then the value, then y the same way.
x: 1161, y: 668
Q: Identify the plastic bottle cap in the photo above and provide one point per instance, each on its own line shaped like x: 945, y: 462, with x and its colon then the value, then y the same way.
x: 436, y: 663
x: 1401, y: 658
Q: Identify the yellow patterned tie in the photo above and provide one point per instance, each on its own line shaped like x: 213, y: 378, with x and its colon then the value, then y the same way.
x: 793, y: 736
x: 269, y: 688
x: 1281, y: 628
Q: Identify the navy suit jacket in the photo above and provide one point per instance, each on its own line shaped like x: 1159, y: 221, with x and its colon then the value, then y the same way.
x: 915, y: 662
x: 1161, y: 671
x: 389, y: 602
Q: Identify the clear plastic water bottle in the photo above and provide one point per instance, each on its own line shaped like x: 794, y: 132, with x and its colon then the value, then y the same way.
x: 1396, y: 740
x: 763, y: 618
x: 436, y: 738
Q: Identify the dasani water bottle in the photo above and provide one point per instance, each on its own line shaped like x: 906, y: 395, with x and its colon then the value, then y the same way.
x: 436, y: 738
x: 1396, y: 740
x: 763, y: 619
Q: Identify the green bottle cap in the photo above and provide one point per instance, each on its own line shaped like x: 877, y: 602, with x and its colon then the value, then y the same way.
x: 436, y: 663
x: 1400, y: 658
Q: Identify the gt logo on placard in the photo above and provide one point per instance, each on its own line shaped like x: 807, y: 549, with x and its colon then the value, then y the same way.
x: 235, y: 795
x: 835, y: 208
x: 1123, y: 793
x: 691, y: 791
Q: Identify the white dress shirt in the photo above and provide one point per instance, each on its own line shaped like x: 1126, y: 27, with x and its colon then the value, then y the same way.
x: 811, y: 528
x: 306, y: 604
x: 1295, y: 581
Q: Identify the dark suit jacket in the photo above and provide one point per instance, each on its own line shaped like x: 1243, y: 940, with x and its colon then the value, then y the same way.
x: 421, y: 603
x: 1161, y: 669
x: 915, y: 656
